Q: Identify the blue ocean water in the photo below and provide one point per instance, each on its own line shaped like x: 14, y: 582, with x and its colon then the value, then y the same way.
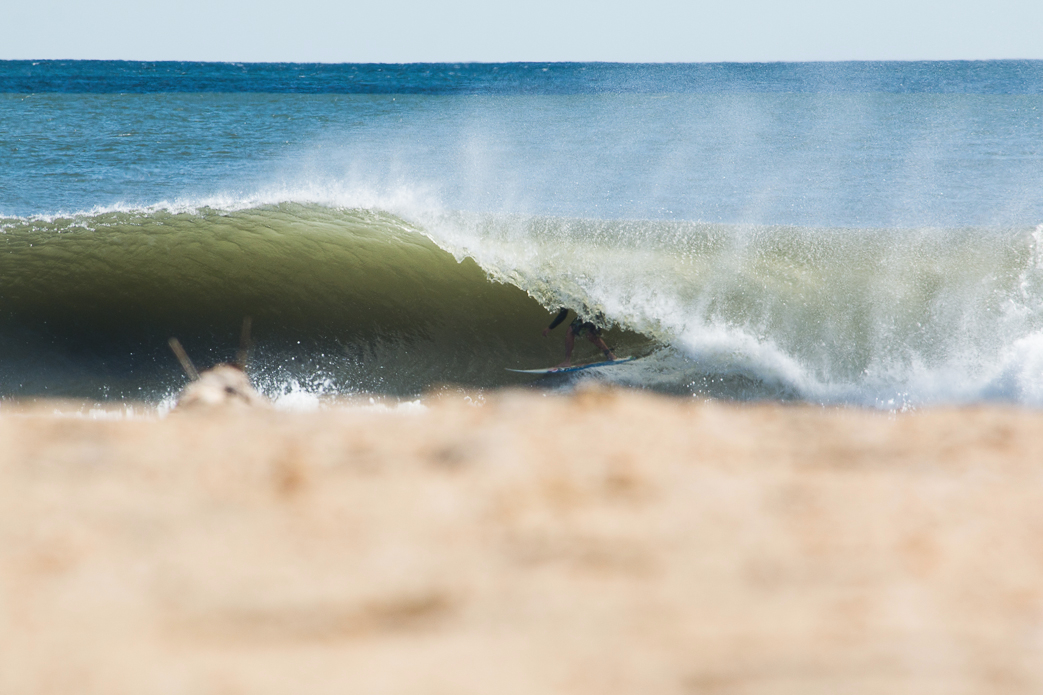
x: 833, y: 232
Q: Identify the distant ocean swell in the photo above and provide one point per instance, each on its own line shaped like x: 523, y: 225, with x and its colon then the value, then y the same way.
x: 365, y: 301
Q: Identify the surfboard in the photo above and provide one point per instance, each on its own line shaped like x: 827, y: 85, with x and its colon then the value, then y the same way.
x: 577, y: 368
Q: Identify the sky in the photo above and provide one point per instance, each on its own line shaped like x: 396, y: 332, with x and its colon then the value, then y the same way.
x: 399, y: 31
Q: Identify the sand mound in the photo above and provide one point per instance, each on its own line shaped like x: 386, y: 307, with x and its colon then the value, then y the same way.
x: 603, y: 543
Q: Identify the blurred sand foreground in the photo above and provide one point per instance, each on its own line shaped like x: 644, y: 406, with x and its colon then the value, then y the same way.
x: 608, y: 542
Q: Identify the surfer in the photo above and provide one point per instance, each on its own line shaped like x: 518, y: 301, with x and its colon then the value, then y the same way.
x: 578, y: 328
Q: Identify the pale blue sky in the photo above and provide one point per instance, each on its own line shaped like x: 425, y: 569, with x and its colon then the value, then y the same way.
x: 540, y: 30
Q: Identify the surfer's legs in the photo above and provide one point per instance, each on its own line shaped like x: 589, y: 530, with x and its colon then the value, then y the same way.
x: 600, y: 342
x: 570, y: 344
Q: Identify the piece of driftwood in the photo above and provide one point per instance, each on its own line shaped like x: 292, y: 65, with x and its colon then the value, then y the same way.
x: 222, y: 384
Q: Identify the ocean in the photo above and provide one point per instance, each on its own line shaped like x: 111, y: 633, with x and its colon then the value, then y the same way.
x: 865, y: 234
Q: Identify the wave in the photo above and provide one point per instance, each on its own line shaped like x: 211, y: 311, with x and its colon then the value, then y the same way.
x: 353, y: 300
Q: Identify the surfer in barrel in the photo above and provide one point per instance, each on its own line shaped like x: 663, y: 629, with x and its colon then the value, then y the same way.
x: 578, y: 329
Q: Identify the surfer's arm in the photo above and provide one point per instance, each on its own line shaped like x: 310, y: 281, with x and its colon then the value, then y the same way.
x: 557, y: 320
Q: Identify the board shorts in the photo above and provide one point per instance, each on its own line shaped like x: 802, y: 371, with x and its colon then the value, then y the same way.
x: 581, y: 328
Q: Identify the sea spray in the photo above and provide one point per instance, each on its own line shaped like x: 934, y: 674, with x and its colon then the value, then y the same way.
x: 860, y: 233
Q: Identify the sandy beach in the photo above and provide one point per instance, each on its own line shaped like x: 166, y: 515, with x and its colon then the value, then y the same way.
x: 605, y: 542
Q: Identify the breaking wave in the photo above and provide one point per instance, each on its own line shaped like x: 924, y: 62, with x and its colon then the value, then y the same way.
x: 361, y: 300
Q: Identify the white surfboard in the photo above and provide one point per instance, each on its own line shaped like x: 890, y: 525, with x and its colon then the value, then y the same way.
x: 577, y: 368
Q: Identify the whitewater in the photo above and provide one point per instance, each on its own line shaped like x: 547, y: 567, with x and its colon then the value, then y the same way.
x: 865, y: 234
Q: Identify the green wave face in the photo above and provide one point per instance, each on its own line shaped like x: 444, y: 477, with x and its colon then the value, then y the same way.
x: 349, y: 300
